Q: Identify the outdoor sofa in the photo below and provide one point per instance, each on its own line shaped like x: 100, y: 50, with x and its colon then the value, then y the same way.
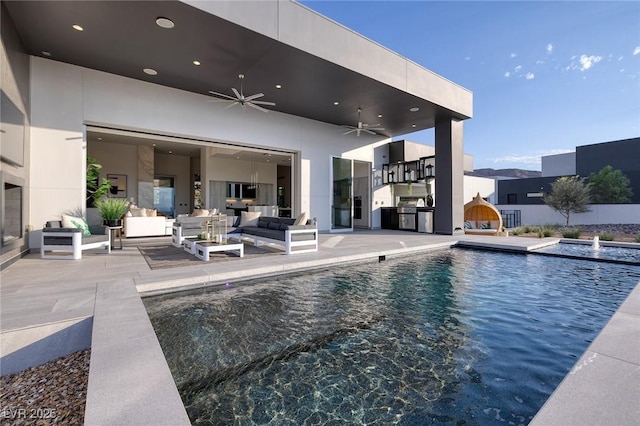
x: 281, y: 231
x: 68, y: 243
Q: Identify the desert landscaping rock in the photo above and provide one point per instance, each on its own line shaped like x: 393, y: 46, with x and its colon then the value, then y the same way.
x: 52, y: 393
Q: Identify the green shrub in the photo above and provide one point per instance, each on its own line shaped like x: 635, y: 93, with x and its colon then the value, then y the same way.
x: 607, y: 236
x: 528, y: 229
x: 572, y: 233
x: 638, y: 238
x: 547, y: 231
x: 520, y: 231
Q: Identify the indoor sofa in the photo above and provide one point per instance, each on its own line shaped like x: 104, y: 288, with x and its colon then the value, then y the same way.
x: 281, y: 231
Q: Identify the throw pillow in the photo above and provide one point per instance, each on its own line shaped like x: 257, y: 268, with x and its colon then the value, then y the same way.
x: 200, y: 213
x: 468, y: 225
x: 484, y: 226
x: 302, y: 219
x: 139, y: 212
x: 152, y: 213
x: 76, y: 222
x: 249, y: 218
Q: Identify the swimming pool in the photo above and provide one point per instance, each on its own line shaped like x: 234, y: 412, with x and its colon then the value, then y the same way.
x: 605, y: 253
x: 447, y: 337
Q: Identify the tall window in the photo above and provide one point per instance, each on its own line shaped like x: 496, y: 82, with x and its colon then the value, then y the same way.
x: 164, y: 195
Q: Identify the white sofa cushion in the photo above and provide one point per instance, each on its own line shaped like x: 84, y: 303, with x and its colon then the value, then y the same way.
x: 144, y: 226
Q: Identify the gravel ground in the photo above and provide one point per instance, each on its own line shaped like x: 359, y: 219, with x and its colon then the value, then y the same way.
x: 621, y: 232
x: 52, y: 393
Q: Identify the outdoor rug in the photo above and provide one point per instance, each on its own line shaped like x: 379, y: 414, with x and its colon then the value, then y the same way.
x: 167, y: 256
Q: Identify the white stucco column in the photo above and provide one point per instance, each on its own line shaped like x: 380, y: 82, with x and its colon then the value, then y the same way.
x: 449, y: 197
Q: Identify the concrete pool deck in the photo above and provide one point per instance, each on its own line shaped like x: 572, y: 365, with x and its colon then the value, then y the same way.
x: 51, y: 308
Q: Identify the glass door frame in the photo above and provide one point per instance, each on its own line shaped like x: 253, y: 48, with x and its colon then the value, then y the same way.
x: 332, y: 187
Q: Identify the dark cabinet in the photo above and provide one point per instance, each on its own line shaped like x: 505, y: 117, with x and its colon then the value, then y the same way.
x: 389, y: 218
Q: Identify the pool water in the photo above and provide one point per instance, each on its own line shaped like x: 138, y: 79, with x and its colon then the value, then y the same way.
x: 449, y: 337
x: 628, y: 255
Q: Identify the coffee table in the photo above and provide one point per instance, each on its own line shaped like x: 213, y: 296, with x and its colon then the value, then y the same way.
x: 190, y: 244
x: 204, y: 248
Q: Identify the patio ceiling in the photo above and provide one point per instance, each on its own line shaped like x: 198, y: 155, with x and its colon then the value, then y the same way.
x: 122, y: 37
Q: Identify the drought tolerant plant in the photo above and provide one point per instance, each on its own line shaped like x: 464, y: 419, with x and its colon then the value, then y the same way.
x: 637, y: 238
x: 529, y: 229
x: 609, y: 186
x: 517, y: 231
x: 569, y: 194
x: 572, y: 233
x: 112, y: 209
x: 546, y: 231
x: 607, y: 236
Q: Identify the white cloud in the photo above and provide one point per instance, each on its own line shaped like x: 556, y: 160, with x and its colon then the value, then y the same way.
x: 513, y: 55
x: 518, y: 68
x: 530, y: 76
x: 549, y: 48
x: 467, y: 58
x: 507, y: 74
x: 539, y: 62
x: 636, y: 51
x: 587, y: 62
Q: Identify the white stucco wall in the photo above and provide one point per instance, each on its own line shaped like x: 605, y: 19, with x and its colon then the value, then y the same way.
x: 485, y: 186
x: 66, y: 97
x: 599, y: 214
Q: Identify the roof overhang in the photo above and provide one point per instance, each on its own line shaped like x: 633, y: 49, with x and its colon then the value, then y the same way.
x: 316, y: 61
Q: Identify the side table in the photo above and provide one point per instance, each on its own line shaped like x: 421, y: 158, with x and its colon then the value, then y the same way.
x: 112, y: 231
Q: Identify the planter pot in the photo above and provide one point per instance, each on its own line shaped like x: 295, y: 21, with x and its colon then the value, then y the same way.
x: 429, y: 201
x: 112, y: 223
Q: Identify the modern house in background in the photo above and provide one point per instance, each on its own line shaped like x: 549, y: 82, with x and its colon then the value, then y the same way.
x: 130, y: 84
x: 623, y: 155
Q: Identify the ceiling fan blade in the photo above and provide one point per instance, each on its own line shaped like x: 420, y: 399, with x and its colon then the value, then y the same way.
x: 222, y: 95
x: 264, y: 103
x: 369, y: 131
x: 230, y: 105
x: 349, y: 131
x: 370, y: 125
x: 375, y: 128
x: 259, y: 108
x: 238, y: 95
x: 252, y: 97
x: 222, y: 100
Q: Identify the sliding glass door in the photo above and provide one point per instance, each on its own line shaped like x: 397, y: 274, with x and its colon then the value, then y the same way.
x: 342, y: 194
x: 164, y: 195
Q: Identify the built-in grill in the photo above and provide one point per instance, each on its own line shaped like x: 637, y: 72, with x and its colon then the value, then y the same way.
x: 407, y: 213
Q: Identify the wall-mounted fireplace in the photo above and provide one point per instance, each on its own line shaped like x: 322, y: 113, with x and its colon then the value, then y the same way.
x: 11, y: 213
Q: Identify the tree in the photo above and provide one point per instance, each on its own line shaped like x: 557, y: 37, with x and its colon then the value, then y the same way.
x: 609, y: 186
x: 569, y: 194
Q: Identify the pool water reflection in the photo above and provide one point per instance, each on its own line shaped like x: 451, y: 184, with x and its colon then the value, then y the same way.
x: 447, y: 337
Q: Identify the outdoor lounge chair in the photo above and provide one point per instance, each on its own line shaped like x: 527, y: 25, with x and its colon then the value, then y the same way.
x: 68, y: 243
x: 481, y: 217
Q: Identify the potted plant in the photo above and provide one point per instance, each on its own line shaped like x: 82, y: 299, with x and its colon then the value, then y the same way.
x: 111, y: 210
x: 429, y: 200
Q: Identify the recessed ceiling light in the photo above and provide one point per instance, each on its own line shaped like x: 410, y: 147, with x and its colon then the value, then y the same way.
x: 413, y: 125
x: 170, y: 152
x: 278, y: 86
x: 150, y: 71
x: 45, y: 53
x: 336, y: 103
x: 196, y: 63
x: 379, y: 115
x: 78, y: 27
x: 414, y: 109
x: 154, y: 144
x: 99, y: 139
x: 165, y: 22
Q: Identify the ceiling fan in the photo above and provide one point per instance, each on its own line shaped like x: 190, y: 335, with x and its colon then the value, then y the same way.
x: 241, y: 99
x: 361, y: 127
